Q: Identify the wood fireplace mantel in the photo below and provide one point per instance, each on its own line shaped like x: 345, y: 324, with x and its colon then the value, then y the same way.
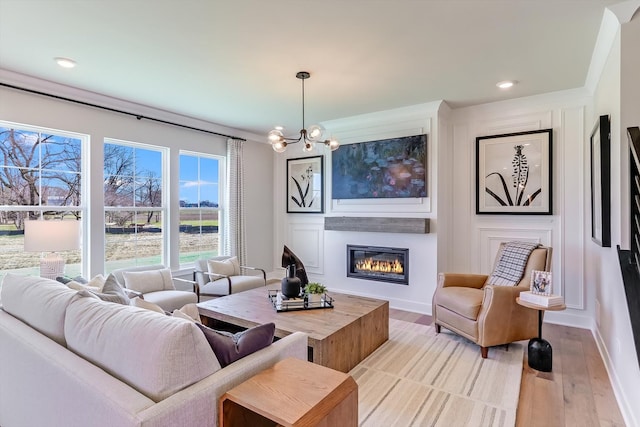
x: 377, y: 224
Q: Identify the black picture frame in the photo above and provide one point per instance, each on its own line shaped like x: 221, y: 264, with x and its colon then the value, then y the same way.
x: 305, y: 185
x: 600, y: 149
x: 514, y: 173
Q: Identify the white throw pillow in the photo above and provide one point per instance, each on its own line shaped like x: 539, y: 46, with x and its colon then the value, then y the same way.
x: 139, y: 302
x: 188, y: 312
x: 148, y: 281
x: 96, y: 284
x: 228, y: 267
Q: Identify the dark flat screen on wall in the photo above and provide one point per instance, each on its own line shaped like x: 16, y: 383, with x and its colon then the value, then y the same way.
x: 382, y: 169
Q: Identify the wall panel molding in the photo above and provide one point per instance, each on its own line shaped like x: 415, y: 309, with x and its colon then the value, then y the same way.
x: 307, y: 241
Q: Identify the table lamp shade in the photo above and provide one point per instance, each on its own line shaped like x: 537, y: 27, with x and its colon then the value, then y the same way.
x: 51, y: 236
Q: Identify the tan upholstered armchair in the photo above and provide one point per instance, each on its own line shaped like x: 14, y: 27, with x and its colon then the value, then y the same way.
x: 488, y: 314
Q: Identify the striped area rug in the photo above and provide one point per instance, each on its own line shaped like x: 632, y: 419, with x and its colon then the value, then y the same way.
x: 419, y: 378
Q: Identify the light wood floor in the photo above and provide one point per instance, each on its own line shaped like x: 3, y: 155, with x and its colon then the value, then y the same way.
x: 576, y: 393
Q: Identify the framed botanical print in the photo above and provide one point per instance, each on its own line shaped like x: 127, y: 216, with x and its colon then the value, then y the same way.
x: 514, y: 173
x: 305, y: 185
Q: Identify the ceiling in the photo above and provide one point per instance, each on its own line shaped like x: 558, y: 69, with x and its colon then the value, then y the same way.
x: 233, y: 63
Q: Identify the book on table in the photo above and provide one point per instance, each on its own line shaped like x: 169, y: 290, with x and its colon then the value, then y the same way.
x: 540, y: 299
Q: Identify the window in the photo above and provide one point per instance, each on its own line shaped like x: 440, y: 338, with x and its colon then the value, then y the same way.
x: 40, y: 178
x: 134, y: 204
x: 199, y: 206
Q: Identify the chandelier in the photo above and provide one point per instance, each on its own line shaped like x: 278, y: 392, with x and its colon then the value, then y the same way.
x: 307, y: 136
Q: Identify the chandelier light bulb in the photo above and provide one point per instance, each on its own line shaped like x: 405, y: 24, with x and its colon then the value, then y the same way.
x: 308, y: 146
x: 279, y: 146
x: 275, y: 135
x: 314, y: 132
x: 333, y: 144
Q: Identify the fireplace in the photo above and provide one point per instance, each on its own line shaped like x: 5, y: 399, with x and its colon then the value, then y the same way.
x: 378, y: 263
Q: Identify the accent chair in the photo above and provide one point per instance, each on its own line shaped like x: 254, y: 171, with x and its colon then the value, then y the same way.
x: 487, y: 314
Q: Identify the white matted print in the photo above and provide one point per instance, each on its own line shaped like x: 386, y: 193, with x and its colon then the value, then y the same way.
x: 305, y: 185
x: 541, y: 282
x: 514, y: 173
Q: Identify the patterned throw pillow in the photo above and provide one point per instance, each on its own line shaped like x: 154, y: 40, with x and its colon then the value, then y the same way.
x: 230, y: 347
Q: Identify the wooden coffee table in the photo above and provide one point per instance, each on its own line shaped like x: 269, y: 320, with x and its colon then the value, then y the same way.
x: 339, y: 337
x: 292, y: 393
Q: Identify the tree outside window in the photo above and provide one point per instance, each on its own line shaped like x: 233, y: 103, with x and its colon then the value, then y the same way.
x: 40, y: 178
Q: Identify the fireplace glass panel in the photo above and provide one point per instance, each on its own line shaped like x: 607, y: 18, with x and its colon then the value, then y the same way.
x: 378, y: 263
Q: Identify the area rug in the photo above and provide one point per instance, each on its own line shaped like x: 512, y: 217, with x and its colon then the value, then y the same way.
x: 420, y: 378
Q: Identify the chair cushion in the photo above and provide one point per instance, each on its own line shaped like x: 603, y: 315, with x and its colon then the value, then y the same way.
x: 464, y: 301
x: 227, y: 267
x: 158, y: 355
x: 38, y: 302
x: 170, y: 300
x: 230, y: 347
x: 238, y: 284
x: 148, y: 281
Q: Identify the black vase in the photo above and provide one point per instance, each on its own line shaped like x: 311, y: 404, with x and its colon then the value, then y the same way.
x: 291, y: 284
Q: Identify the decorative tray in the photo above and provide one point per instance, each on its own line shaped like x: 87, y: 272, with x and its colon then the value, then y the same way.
x: 282, y: 303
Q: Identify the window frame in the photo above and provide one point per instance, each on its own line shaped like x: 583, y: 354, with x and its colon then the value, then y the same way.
x: 83, y: 202
x: 163, y: 209
x: 220, y: 210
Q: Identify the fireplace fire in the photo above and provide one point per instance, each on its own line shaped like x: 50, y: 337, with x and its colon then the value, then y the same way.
x: 378, y: 263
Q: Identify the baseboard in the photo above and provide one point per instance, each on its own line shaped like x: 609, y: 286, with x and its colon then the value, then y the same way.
x: 621, y: 398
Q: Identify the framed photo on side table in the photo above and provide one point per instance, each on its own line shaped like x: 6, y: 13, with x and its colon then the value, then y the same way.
x: 601, y: 182
x: 305, y: 185
x: 514, y: 173
x: 541, y: 282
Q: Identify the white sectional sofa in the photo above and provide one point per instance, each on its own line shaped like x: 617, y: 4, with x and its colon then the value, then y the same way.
x: 68, y: 360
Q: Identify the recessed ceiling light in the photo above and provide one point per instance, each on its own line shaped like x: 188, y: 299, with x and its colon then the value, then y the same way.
x: 65, y: 62
x: 505, y: 84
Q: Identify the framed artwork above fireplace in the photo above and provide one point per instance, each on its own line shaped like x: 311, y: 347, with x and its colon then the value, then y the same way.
x: 394, y: 168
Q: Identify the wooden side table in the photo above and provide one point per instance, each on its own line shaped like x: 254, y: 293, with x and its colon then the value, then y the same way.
x: 540, y: 353
x: 293, y: 392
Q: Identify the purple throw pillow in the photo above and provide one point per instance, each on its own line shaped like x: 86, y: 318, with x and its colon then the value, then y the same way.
x: 230, y: 347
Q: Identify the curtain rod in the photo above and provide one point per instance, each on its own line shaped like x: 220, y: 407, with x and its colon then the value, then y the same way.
x: 114, y: 110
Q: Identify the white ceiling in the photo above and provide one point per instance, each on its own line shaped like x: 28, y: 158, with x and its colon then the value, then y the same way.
x: 233, y: 62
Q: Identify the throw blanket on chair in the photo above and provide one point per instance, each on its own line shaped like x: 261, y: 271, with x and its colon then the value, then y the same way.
x: 510, y: 267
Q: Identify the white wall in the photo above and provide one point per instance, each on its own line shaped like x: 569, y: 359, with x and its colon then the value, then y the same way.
x: 618, y: 95
x: 37, y: 110
x: 476, y: 237
x: 324, y: 252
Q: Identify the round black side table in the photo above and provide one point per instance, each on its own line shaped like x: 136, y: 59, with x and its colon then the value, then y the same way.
x: 540, y: 353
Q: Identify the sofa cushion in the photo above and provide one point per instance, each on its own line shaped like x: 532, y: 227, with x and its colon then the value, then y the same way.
x: 230, y: 347
x: 149, y: 281
x: 40, y: 303
x: 156, y: 354
x: 463, y: 301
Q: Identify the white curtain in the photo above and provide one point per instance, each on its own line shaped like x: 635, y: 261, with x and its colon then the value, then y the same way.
x: 234, y: 235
